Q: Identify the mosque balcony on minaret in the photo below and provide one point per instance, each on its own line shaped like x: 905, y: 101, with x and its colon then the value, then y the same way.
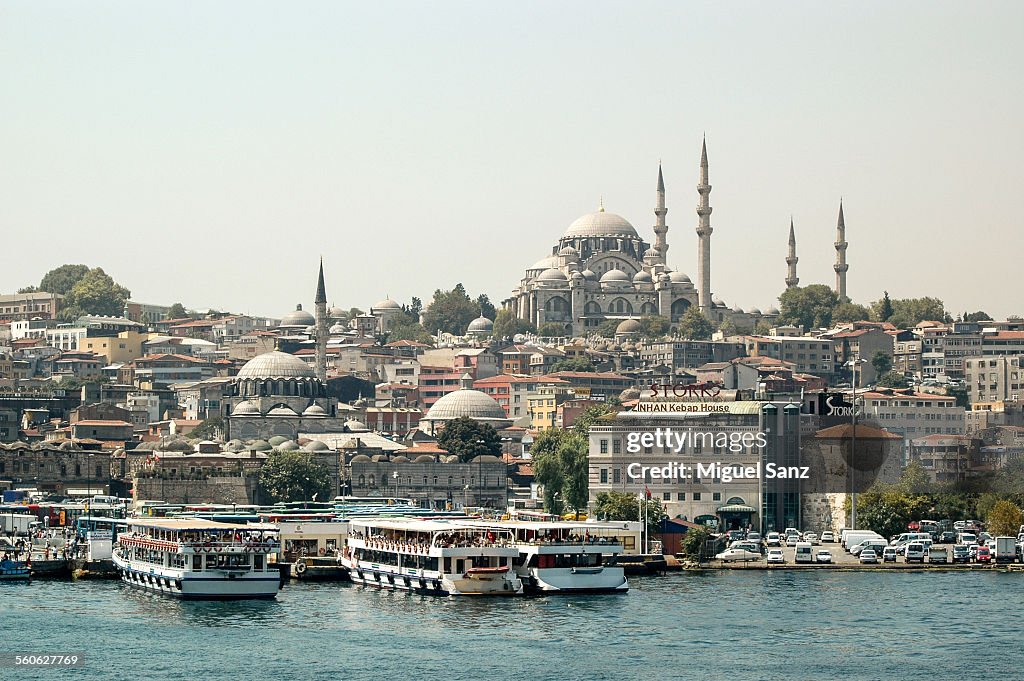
x: 841, y: 267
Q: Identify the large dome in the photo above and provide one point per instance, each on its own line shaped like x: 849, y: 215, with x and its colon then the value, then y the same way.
x: 298, y: 318
x: 481, y: 324
x: 614, y: 275
x: 386, y: 304
x: 276, y: 365
x: 601, y: 224
x: 472, y: 403
x: 552, y: 274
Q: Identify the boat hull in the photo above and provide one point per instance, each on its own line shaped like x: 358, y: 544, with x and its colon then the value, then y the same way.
x: 569, y: 581
x: 200, y: 587
x: 484, y: 585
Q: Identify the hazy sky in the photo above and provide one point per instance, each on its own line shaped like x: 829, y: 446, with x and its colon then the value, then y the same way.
x: 210, y: 153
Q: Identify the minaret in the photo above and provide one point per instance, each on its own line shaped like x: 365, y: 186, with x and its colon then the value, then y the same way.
x: 660, y: 228
x: 841, y: 267
x: 791, y: 259
x: 322, y: 332
x: 704, y: 234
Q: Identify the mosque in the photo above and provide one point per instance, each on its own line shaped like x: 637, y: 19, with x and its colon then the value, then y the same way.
x: 602, y: 269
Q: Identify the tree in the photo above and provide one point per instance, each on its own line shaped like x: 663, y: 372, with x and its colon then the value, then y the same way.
x: 628, y: 507
x: 892, y: 379
x: 507, y: 325
x: 28, y: 289
x: 654, y: 326
x: 694, y: 325
x: 811, y: 306
x: 561, y: 465
x: 295, y: 476
x: 978, y: 316
x: 909, y: 312
x: 95, y: 293
x: 914, y: 479
x: 413, y: 331
x: 62, y: 279
x: 695, y: 540
x: 450, y: 311
x: 1005, y: 519
x: 887, y: 509
x: 177, y: 311
x: 728, y: 328
x: 850, y: 312
x: 211, y: 428
x: 607, y: 328
x: 469, y: 439
x: 882, y: 362
x: 551, y: 330
x: 589, y: 416
x: 415, y: 307
x: 486, y: 306
x: 883, y: 308
x: 574, y: 364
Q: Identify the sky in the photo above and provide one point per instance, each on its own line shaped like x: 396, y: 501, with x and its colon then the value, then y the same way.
x: 211, y: 153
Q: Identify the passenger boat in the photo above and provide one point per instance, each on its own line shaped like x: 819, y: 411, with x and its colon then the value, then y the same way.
x: 14, y: 570
x: 566, y: 557
x: 198, y: 559
x: 441, y: 557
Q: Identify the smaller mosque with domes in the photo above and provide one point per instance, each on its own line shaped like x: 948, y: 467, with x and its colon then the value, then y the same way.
x: 602, y: 269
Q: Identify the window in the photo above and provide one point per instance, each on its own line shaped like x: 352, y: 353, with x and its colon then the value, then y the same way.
x: 604, y: 446
x: 681, y: 496
x: 616, y: 476
x: 696, y: 496
x: 717, y: 496
x: 616, y: 446
x: 604, y: 475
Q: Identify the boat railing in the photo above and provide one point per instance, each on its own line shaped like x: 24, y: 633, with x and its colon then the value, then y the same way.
x: 592, y: 541
x: 396, y: 545
x: 237, y: 546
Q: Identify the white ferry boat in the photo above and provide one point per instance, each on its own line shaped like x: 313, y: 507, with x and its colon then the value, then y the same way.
x: 198, y: 559
x: 566, y: 557
x: 442, y: 557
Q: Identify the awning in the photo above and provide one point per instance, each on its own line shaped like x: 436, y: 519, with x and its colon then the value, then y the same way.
x: 736, y: 508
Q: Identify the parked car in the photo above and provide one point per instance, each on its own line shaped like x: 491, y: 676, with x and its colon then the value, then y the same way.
x: 773, y: 539
x: 828, y: 537
x: 732, y: 555
x: 792, y: 540
x: 889, y: 554
x: 823, y: 556
x: 734, y: 535
x: 961, y: 554
x: 947, y: 537
x: 776, y: 557
x: 984, y: 555
x: 868, y: 556
x: 754, y: 536
x: 811, y: 537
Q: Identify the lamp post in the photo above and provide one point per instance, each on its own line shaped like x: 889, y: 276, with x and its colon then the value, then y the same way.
x: 853, y: 441
x: 396, y: 478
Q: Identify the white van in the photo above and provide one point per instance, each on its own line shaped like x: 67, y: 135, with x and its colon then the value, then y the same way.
x: 915, y: 552
x: 854, y: 537
x: 909, y: 536
x: 804, y: 552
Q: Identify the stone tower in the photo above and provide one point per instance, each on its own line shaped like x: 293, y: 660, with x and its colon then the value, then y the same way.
x: 322, y: 331
x: 660, y: 228
x: 791, y: 259
x: 704, y: 234
x: 841, y: 267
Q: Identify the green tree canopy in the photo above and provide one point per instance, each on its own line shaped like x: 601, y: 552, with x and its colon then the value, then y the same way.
x: 606, y: 329
x: 177, y: 311
x: 211, y: 428
x: 909, y: 312
x: 507, y: 325
x: 95, y: 293
x: 695, y: 540
x: 551, y: 330
x: 573, y: 364
x: 589, y: 416
x: 62, y: 279
x: 893, y: 379
x: 560, y: 464
x: 451, y: 311
x: 694, y: 325
x: 625, y: 506
x: 654, y: 326
x: 1005, y: 519
x: 486, y: 306
x: 882, y: 362
x: 882, y: 309
x: 810, y: 306
x: 978, y: 316
x: 468, y: 439
x: 850, y: 312
x: 295, y: 476
x: 412, y: 331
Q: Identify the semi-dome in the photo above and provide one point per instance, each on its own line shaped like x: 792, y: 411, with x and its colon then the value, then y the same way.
x: 601, y: 224
x: 642, y: 277
x: 246, y: 408
x: 589, y: 274
x: 552, y: 274
x: 472, y: 403
x: 386, y: 304
x: 314, y: 410
x: 679, y: 278
x: 614, y: 276
x: 298, y: 317
x: 283, y: 410
x: 544, y: 263
x: 569, y: 252
x: 628, y: 326
x: 481, y: 324
x: 276, y: 364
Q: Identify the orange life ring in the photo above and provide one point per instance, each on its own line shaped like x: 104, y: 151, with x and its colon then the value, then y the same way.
x: 322, y: 552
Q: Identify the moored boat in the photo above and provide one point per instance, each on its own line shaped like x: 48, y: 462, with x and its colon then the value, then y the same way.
x: 441, y: 557
x: 198, y: 559
x: 14, y: 570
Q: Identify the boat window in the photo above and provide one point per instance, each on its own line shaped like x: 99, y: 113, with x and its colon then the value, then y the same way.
x: 197, y: 563
x: 258, y: 559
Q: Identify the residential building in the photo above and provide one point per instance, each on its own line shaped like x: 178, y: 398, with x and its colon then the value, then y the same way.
x: 689, y: 354
x: 912, y: 415
x: 808, y: 354
x: 946, y: 458
x: 40, y: 305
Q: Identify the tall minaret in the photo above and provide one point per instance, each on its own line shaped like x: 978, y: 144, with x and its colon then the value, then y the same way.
x: 660, y: 228
x: 841, y: 267
x: 791, y: 259
x: 704, y: 234
x: 322, y: 332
